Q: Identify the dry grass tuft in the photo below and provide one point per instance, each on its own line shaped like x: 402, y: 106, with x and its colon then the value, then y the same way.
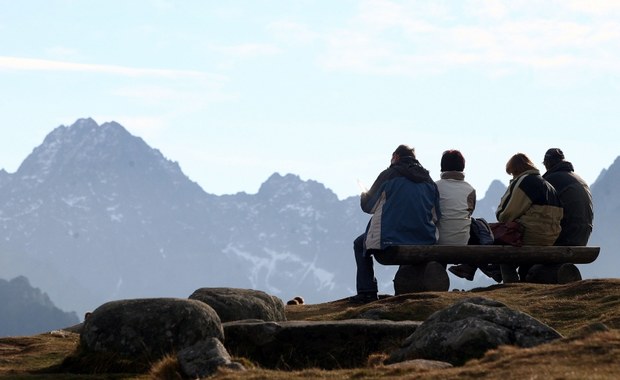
x: 376, y: 360
x: 167, y: 368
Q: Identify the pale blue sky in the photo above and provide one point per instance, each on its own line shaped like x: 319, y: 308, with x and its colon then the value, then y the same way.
x: 237, y: 90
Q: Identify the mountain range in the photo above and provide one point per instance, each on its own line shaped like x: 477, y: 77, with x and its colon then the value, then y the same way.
x: 95, y: 214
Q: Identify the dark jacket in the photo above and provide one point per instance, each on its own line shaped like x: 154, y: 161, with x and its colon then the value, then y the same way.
x: 533, y: 202
x: 576, y: 201
x: 404, y: 202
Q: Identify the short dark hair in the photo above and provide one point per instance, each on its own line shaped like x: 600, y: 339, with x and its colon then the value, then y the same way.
x: 452, y: 160
x: 405, y: 151
x: 518, y: 164
x: 553, y: 156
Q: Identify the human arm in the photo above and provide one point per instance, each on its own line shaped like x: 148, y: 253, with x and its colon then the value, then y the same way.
x: 369, y: 199
x: 513, y: 204
x: 471, y: 202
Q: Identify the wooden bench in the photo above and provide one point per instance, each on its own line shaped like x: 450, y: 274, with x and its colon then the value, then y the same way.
x: 420, y: 264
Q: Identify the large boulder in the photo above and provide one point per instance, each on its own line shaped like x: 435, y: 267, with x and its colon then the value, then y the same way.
x: 144, y: 330
x: 237, y: 304
x: 314, y: 344
x: 204, y: 358
x: 469, y: 328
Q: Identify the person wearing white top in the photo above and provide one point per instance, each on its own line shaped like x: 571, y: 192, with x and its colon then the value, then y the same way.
x: 457, y: 200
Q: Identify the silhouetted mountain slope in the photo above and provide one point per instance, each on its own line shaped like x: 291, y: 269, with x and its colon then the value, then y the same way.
x: 486, y: 207
x: 605, y: 233
x: 26, y: 310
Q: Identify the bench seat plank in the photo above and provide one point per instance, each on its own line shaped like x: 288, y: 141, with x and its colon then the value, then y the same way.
x: 485, y: 254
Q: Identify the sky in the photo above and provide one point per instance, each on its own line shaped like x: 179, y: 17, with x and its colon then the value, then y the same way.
x: 237, y: 90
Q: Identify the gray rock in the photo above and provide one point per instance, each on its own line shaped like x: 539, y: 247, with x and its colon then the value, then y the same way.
x: 469, y: 328
x: 420, y: 364
x: 307, y: 344
x: 148, y: 329
x: 204, y: 358
x: 238, y: 304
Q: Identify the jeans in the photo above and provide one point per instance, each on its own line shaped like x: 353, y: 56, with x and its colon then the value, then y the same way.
x: 365, y: 279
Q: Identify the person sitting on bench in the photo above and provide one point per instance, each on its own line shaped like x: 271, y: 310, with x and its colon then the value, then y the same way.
x: 575, y: 197
x: 457, y: 201
x: 404, y: 203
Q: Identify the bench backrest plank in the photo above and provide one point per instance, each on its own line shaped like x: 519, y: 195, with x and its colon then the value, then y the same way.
x: 484, y: 254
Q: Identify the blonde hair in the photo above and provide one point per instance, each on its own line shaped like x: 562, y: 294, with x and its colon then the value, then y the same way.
x: 518, y: 164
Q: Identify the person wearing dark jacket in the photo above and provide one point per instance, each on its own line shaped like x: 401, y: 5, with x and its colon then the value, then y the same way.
x: 404, y: 203
x: 575, y: 197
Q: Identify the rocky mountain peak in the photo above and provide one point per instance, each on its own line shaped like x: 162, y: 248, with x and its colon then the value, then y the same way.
x: 496, y: 187
x: 604, y: 190
x: 87, y: 152
x: 291, y: 187
x: 609, y: 177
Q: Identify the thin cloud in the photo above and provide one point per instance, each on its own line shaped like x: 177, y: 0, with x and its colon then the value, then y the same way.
x: 390, y: 38
x: 248, y: 50
x: 155, y: 94
x: 183, y: 98
x: 292, y: 32
x: 598, y: 7
x: 31, y: 64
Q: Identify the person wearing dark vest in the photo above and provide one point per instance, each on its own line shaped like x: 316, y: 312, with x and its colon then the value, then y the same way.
x: 575, y: 197
x: 404, y: 203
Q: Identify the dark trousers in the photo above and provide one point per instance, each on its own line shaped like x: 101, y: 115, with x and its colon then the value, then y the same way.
x: 365, y: 279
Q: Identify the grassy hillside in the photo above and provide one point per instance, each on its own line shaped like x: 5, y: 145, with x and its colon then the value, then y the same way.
x: 579, y: 311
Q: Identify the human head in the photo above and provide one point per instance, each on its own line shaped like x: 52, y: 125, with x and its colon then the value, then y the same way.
x: 518, y: 164
x: 553, y: 156
x: 452, y: 160
x: 402, y: 151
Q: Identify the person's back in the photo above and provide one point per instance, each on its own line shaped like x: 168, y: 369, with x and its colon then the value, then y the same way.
x: 575, y: 197
x: 457, y: 200
x: 532, y: 201
x: 403, y: 202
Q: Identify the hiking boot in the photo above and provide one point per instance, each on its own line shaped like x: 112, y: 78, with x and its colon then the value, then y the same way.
x: 465, y: 271
x: 363, y: 298
x: 492, y: 271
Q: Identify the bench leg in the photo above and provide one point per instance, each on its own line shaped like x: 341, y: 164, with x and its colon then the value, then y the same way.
x: 568, y: 273
x: 435, y: 277
x: 542, y: 274
x: 408, y: 279
x: 429, y: 277
x: 553, y: 274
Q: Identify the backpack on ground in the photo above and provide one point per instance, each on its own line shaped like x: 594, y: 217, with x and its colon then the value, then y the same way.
x: 480, y: 232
